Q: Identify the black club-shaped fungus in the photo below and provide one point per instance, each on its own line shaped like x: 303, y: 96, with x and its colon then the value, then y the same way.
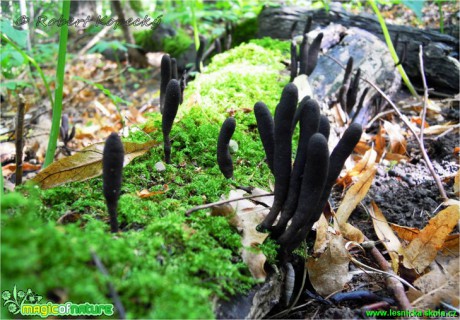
x: 174, y: 74
x: 165, y: 77
x: 112, y: 167
x: 313, y: 53
x: 266, y: 128
x: 284, y: 115
x: 313, y: 183
x: 172, y: 99
x: 224, y: 158
x: 293, y: 60
x: 309, y: 123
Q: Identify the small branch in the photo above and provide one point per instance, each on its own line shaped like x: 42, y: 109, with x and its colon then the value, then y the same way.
x: 393, y: 283
x: 113, y: 292
x: 425, y: 94
x: 20, y: 138
x: 218, y: 203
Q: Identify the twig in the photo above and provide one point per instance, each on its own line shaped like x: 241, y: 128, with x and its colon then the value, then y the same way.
x: 393, y: 283
x: 218, y: 203
x: 411, y: 129
x: 113, y: 292
x: 425, y: 94
x: 20, y: 138
x: 381, y: 114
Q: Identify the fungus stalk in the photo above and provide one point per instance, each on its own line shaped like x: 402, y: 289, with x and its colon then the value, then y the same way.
x: 112, y: 167
x: 224, y: 158
x: 172, y: 99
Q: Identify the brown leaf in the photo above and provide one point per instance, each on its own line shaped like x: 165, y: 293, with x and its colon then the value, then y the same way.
x: 366, y: 162
x: 352, y: 198
x: 329, y: 273
x: 424, y: 248
x: 248, y: 217
x: 397, y: 141
x: 405, y: 233
x: 321, y: 241
x: 384, y: 233
x: 85, y: 164
x: 441, y: 284
x: 147, y: 194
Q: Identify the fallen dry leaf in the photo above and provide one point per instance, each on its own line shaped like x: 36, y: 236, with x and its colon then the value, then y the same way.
x: 352, y: 198
x: 441, y: 284
x: 147, y: 194
x: 85, y: 164
x: 397, y: 141
x: 248, y: 217
x: 424, y: 248
x: 405, y: 233
x: 386, y: 235
x: 366, y: 162
x: 329, y: 273
x: 321, y: 241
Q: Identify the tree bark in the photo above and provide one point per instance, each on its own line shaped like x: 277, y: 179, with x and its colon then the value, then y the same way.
x: 136, y: 58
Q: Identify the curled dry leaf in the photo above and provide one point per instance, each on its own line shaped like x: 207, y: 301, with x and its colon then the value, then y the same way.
x: 386, y: 234
x: 366, y: 162
x: 352, y: 198
x: 329, y: 273
x: 85, y: 164
x: 424, y: 248
x: 248, y: 217
x: 397, y: 141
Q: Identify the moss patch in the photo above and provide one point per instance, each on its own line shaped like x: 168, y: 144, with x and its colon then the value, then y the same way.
x: 163, y: 264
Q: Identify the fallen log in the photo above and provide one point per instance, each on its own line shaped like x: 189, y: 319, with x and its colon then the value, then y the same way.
x: 441, y: 51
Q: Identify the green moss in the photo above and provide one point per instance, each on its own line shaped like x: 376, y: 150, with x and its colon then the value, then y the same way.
x: 178, y: 44
x: 162, y: 259
x: 245, y: 31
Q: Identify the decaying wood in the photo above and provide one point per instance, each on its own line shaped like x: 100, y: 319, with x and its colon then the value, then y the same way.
x: 442, y: 67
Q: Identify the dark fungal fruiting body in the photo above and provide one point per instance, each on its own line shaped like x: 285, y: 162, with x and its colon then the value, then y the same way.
x: 352, y: 93
x: 303, y: 56
x: 313, y: 53
x: 336, y: 161
x: 313, y: 183
x: 199, y: 53
x: 112, y: 167
x: 174, y: 69
x: 265, y: 126
x: 165, y: 77
x: 217, y: 46
x: 293, y: 60
x: 346, y: 84
x: 309, y: 123
x: 172, y: 99
x: 224, y: 158
x: 324, y: 126
x: 284, y: 115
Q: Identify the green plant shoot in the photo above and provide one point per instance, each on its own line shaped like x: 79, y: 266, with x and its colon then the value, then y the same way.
x: 57, y: 108
x: 391, y: 48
